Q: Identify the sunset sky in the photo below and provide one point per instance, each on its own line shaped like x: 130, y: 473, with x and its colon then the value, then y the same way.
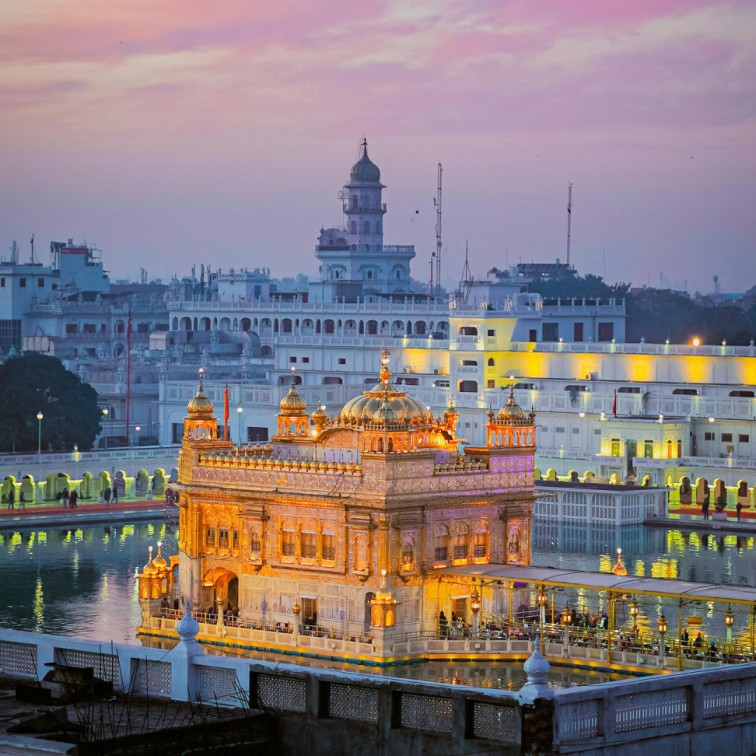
x: 178, y: 132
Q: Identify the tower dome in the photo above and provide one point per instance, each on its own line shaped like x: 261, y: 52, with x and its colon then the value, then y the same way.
x: 200, y: 407
x: 365, y: 170
x: 511, y: 413
x: 292, y: 403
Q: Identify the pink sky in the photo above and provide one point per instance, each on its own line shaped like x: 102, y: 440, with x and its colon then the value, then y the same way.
x: 180, y: 131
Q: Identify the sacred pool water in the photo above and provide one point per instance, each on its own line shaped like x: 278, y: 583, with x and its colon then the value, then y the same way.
x: 82, y: 581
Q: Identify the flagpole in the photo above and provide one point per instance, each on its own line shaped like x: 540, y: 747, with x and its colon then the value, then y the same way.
x: 225, y: 414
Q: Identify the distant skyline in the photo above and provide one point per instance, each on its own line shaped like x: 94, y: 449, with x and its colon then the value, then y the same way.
x: 177, y: 132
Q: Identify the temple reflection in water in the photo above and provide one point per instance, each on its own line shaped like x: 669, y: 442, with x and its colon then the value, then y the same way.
x: 82, y: 582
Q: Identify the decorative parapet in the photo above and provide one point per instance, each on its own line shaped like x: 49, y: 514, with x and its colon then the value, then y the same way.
x: 408, y: 476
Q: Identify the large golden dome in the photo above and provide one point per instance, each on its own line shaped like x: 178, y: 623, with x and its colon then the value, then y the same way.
x: 293, y: 403
x: 200, y: 406
x: 385, y: 403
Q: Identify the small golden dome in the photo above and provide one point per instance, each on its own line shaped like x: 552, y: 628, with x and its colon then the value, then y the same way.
x: 159, y: 560
x: 511, y: 413
x: 150, y: 568
x: 200, y: 406
x: 292, y: 403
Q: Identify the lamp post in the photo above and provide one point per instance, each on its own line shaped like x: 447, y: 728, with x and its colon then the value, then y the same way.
x: 475, y: 607
x: 105, y: 429
x: 729, y: 622
x: 137, y: 429
x: 662, y: 628
x: 542, y: 599
x: 239, y: 411
x: 39, y: 435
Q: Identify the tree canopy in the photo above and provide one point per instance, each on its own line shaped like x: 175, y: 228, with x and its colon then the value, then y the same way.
x: 588, y: 286
x: 658, y: 314
x: 34, y: 383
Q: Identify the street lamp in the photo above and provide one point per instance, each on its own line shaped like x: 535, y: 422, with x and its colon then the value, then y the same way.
x: 475, y: 607
x: 137, y: 428
x: 662, y: 628
x: 239, y: 411
x: 39, y: 435
x: 566, y: 615
x: 542, y: 600
x: 729, y: 622
x: 105, y: 429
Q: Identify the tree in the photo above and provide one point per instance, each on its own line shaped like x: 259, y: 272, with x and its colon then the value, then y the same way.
x: 35, y: 383
x: 589, y: 286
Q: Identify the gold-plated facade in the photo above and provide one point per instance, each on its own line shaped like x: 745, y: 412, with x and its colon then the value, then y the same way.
x: 343, y: 524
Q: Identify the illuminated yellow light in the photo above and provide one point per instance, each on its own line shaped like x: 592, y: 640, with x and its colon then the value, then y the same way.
x: 696, y: 341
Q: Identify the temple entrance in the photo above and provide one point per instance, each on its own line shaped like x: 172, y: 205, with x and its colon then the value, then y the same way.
x: 220, y: 587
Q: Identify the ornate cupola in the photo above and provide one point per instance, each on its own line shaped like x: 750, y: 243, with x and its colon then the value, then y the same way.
x: 451, y: 418
x: 200, y: 423
x: 293, y: 421
x: 512, y: 427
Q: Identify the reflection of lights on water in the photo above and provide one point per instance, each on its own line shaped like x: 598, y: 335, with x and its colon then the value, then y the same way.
x: 694, y: 542
x: 150, y: 530
x: 30, y: 542
x: 675, y: 541
x: 78, y: 535
x: 664, y: 568
x: 14, y: 543
x: 127, y: 530
x: 39, y: 605
x: 104, y: 586
x: 106, y: 537
x: 135, y: 585
x: 42, y: 536
x: 605, y: 563
x: 67, y: 537
x: 639, y: 570
x: 75, y: 563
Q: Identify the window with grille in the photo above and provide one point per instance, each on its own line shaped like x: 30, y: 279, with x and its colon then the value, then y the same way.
x: 460, y: 546
x: 480, y: 545
x: 287, y: 543
x: 329, y: 548
x: 441, y: 552
x: 235, y: 538
x: 254, y: 544
x: 210, y: 537
x: 223, y: 538
x: 309, y: 546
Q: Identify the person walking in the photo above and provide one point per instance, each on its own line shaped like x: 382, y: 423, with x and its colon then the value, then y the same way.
x: 64, y: 497
x: 115, y: 493
x: 705, y: 509
x: 11, y: 497
x: 22, y: 500
x: 738, y: 507
x: 73, y: 499
x: 106, y: 495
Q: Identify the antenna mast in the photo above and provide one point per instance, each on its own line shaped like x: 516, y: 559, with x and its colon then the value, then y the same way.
x: 467, y: 280
x: 438, y: 232
x: 569, y: 220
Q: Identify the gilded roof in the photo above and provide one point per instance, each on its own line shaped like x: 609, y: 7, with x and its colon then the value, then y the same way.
x: 385, y: 403
x: 293, y: 403
x: 200, y: 406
